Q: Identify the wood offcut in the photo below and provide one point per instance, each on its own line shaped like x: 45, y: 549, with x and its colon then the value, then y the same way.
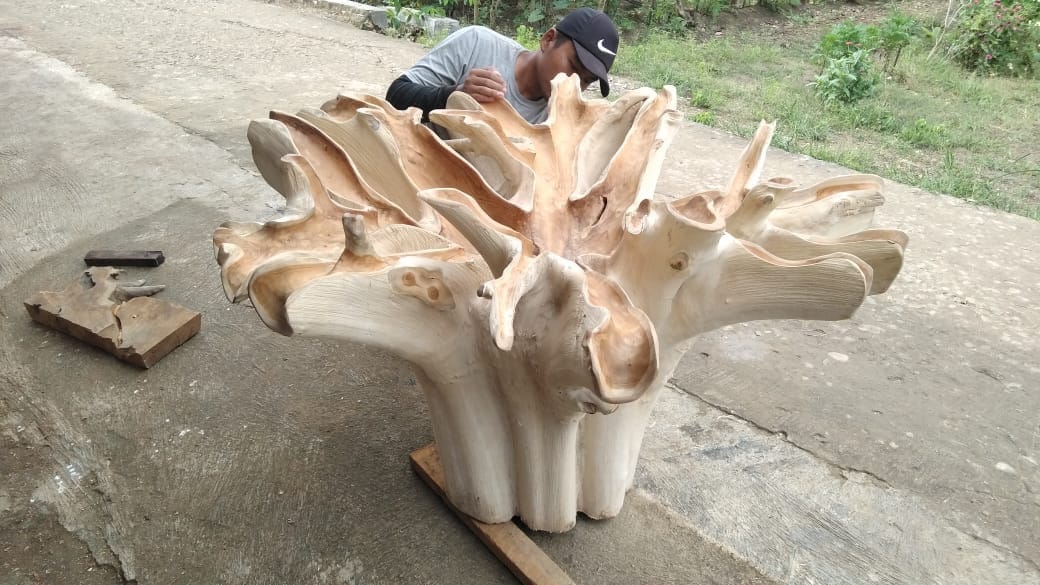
x: 517, y: 552
x: 117, y: 317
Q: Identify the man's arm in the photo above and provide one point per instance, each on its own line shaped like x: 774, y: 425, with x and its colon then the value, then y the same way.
x: 446, y: 68
x: 405, y: 93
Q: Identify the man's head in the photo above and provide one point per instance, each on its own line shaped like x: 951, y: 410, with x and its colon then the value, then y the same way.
x: 584, y: 42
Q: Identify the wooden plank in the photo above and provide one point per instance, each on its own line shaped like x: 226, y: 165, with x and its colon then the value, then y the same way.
x: 138, y: 330
x: 124, y: 258
x: 516, y: 551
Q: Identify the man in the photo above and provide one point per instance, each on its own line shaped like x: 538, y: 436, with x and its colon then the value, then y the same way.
x: 489, y: 66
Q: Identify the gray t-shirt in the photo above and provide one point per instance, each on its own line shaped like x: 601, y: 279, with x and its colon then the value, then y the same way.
x: 474, y: 47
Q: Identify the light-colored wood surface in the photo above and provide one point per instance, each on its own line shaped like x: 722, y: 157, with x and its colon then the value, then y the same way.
x: 545, y: 282
x: 516, y: 551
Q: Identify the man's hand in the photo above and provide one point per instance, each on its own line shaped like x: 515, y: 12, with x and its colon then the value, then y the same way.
x: 485, y: 85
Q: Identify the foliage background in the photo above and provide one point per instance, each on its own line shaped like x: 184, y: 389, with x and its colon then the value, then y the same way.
x: 939, y: 94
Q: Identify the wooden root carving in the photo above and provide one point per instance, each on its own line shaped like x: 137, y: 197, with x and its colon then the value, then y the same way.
x: 539, y: 287
x: 119, y: 317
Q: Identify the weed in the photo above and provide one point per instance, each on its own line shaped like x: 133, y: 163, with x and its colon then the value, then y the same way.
x: 844, y: 39
x: 528, y: 37
x: 846, y: 79
x: 922, y: 133
x: 707, y: 118
x: 704, y: 98
x: 894, y: 34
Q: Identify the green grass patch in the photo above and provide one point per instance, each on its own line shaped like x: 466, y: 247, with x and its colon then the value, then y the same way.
x: 930, y: 124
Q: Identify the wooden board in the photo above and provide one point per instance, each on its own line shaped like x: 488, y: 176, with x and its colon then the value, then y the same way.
x: 516, y: 551
x: 140, y: 330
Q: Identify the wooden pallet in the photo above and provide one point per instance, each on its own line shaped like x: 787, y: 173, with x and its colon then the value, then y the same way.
x: 517, y: 552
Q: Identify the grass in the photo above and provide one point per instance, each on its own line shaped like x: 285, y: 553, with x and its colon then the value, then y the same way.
x: 931, y: 124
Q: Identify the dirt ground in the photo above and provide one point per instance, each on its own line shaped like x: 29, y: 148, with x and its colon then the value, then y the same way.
x: 805, y: 24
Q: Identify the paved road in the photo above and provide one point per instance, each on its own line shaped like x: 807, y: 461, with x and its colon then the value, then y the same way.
x: 245, y: 457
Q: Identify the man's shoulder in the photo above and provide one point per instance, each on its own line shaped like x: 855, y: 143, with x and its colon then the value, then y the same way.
x: 481, y: 35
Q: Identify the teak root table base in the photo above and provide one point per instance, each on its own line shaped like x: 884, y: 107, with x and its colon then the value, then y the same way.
x: 516, y: 551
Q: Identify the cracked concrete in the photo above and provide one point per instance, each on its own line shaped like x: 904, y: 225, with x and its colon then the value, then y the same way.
x: 803, y: 519
x: 244, y: 457
x: 782, y: 435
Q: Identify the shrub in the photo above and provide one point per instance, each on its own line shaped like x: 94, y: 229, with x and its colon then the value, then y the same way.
x: 846, y: 79
x: 848, y: 73
x: 528, y: 37
x: 999, y: 38
x: 845, y: 39
x: 894, y: 34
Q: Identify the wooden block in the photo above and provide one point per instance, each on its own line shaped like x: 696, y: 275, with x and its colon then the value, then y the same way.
x: 96, y: 309
x: 516, y: 551
x: 124, y: 258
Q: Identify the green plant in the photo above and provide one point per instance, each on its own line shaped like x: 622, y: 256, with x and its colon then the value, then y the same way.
x: 406, y: 19
x: 844, y: 39
x: 528, y: 37
x: 846, y: 79
x: 894, y: 34
x: 998, y: 38
x: 922, y: 133
x: 704, y: 98
x: 706, y: 118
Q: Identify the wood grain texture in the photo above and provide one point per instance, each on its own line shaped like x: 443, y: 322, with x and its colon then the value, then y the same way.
x: 516, y: 551
x: 136, y: 329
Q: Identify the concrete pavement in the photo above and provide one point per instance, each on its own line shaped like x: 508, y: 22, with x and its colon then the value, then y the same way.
x: 897, y: 447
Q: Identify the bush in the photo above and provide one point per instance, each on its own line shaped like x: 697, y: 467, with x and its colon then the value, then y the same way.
x: 846, y: 79
x: 848, y: 73
x: 843, y: 40
x: 894, y: 34
x: 528, y: 37
x: 998, y: 38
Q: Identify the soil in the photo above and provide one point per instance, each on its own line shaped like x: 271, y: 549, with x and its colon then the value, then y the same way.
x: 808, y: 22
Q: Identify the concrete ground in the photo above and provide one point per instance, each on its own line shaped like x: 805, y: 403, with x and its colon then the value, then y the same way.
x: 901, y: 446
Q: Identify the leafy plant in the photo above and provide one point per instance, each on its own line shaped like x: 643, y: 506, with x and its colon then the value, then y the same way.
x: 998, y: 38
x: 846, y: 79
x: 528, y: 37
x: 706, y: 118
x: 844, y: 39
x: 704, y: 98
x: 848, y: 73
x: 894, y: 34
x: 922, y: 133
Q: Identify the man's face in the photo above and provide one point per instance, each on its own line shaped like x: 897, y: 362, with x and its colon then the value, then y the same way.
x: 560, y: 58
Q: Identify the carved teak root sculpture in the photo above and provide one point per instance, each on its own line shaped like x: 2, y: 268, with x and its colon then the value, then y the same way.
x: 540, y: 289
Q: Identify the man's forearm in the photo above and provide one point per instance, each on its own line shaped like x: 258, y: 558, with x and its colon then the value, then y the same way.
x: 405, y: 93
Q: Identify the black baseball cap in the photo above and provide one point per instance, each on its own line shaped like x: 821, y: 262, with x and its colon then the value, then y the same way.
x: 595, y: 41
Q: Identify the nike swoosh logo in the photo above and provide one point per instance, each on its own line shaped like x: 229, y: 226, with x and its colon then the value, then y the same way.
x: 600, y: 46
